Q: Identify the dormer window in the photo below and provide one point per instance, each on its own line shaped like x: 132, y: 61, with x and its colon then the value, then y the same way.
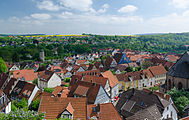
x: 68, y: 112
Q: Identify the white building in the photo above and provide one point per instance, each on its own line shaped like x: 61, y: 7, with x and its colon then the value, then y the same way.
x: 48, y: 79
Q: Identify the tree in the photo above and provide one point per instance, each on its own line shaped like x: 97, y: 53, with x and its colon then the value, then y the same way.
x: 67, y: 79
x: 34, y: 105
x: 146, y: 64
x: 22, y: 104
x: 3, y: 67
x: 180, y: 98
x: 181, y: 102
x: 49, y: 90
x: 129, y: 69
x: 15, y: 57
x: 35, y: 81
x: 167, y: 68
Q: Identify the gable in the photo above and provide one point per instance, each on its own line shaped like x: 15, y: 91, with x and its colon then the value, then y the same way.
x: 102, y: 96
x: 181, y: 67
x: 124, y: 59
x: 80, y: 69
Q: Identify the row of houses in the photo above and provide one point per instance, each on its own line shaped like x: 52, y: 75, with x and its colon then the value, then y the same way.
x: 93, y: 91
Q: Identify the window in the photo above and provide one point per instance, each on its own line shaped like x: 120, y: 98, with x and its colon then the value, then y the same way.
x: 171, y: 114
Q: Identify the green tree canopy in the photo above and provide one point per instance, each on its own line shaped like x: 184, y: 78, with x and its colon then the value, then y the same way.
x: 3, y: 67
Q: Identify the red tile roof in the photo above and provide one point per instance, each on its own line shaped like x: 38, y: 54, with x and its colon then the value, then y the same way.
x: 70, y: 108
x: 57, y: 90
x: 81, y: 90
x: 107, y: 112
x: 40, y: 94
x: 28, y: 75
x: 173, y: 58
x: 54, y: 106
x: 185, y: 118
x: 83, y: 86
x: 89, y: 72
x: 111, y: 78
x: 157, y: 70
x: 95, y: 79
x: 81, y: 61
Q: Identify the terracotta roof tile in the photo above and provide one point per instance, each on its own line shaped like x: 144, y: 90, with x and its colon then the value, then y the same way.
x: 40, y: 94
x: 54, y: 106
x: 70, y: 108
x: 111, y: 78
x: 81, y: 90
x: 185, y: 118
x: 57, y: 90
x: 89, y: 72
x: 28, y: 75
x: 157, y: 70
x: 173, y: 58
x: 81, y: 61
x: 107, y: 112
x: 91, y: 92
x: 95, y: 79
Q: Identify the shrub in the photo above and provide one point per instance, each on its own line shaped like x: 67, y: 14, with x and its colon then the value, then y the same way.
x: 34, y: 105
x: 21, y: 114
x: 67, y: 79
x: 49, y: 90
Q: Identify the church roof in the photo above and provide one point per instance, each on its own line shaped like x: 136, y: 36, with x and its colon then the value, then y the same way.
x: 181, y: 68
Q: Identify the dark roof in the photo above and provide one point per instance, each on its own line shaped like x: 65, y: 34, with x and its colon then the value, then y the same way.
x: 45, y: 75
x: 181, y: 68
x: 3, y: 78
x: 108, y: 61
x: 150, y: 113
x: 74, y: 79
x: 187, y: 107
x: 137, y: 75
x: 118, y: 57
x: 137, y: 100
x: 97, y: 64
x: 22, y: 90
x: 9, y: 85
x: 91, y: 93
x: 6, y: 101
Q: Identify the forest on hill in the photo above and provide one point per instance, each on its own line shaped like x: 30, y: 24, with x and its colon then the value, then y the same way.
x: 16, y: 48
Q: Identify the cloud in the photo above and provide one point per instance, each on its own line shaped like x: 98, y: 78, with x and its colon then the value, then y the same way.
x: 103, y: 9
x: 127, y: 9
x: 41, y: 16
x: 81, y: 5
x: 65, y: 15
x: 183, y: 4
x: 14, y: 19
x: 47, y: 5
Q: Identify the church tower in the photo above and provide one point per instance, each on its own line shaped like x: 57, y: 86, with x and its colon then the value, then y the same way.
x: 42, y: 55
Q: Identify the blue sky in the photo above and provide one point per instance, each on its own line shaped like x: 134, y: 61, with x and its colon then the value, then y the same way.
x: 93, y: 16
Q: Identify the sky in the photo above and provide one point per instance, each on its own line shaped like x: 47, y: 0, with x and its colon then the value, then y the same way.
x: 112, y: 17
